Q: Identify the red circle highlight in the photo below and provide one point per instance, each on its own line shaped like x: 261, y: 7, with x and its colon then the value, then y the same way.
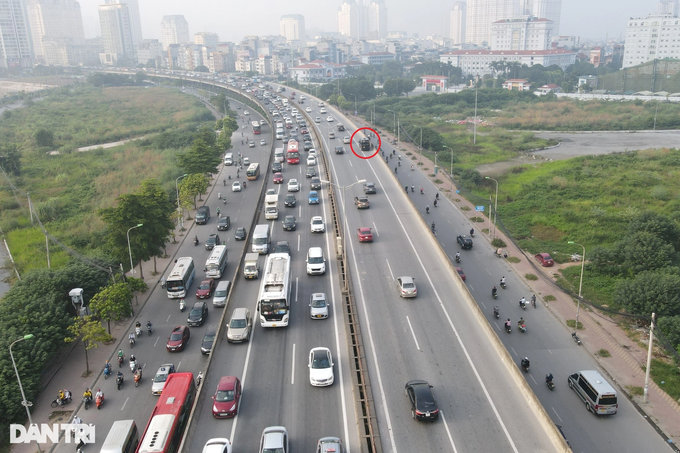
x: 351, y: 140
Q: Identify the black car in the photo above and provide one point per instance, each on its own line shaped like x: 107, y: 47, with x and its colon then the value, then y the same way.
x: 369, y: 187
x: 208, y: 340
x: 240, y: 234
x: 286, y: 139
x: 282, y: 247
x: 307, y: 145
x: 464, y: 242
x: 212, y: 241
x: 341, y: 127
x: 224, y: 223
x: 202, y: 215
x: 289, y: 223
x: 339, y: 150
x: 311, y: 172
x: 198, y: 314
x: 423, y: 404
x: 315, y: 184
x: 277, y: 167
x: 290, y: 201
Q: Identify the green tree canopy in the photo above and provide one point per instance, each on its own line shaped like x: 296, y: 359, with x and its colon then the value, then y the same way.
x: 91, y: 332
x: 191, y: 187
x: 44, y: 137
x: 657, y: 224
x: 359, y: 87
x: 10, y: 159
x: 650, y: 292
x: 643, y: 251
x: 200, y: 158
x: 397, y: 87
x: 112, y: 303
x: 670, y: 328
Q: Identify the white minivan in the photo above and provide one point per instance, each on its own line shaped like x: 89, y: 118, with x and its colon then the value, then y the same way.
x: 229, y: 159
x: 316, y: 263
x: 261, y: 239
x: 221, y: 293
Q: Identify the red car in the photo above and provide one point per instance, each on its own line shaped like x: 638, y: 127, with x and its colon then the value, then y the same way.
x: 205, y: 289
x: 460, y: 272
x: 178, y: 338
x: 365, y: 234
x: 278, y: 178
x: 304, y: 131
x: 227, y: 397
x: 545, y: 259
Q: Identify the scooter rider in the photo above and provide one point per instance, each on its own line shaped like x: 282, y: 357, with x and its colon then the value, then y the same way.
x: 121, y: 354
x: 131, y: 337
x: 520, y: 323
x: 503, y: 281
x: 548, y: 378
x: 88, y: 395
x: 427, y: 209
x: 457, y: 257
x: 522, y: 302
x: 432, y: 226
x: 149, y: 326
x: 99, y: 394
x: 413, y: 188
x: 472, y: 232
x: 525, y: 363
x: 508, y: 324
x: 196, y: 240
x: 494, y: 291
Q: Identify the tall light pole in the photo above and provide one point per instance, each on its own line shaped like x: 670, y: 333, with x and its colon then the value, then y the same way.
x: 129, y: 248
x: 451, y: 171
x: 373, y: 114
x: 394, y: 125
x: 580, y: 283
x: 24, y: 403
x: 355, y: 103
x: 474, y: 140
x: 421, y: 138
x: 179, y: 210
x: 495, y: 206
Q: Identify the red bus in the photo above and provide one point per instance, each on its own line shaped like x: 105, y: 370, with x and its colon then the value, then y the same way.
x: 163, y: 433
x: 256, y: 127
x: 293, y: 153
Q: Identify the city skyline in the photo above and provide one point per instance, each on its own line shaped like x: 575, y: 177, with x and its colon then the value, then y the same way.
x: 582, y: 18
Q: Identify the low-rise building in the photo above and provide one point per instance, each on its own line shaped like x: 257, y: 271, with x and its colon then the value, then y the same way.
x: 376, y: 58
x: 479, y: 62
x: 549, y: 88
x: 517, y: 84
x: 317, y: 71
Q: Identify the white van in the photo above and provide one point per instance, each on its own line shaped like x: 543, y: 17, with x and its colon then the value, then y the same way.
x: 278, y: 155
x: 122, y: 438
x: 221, y: 293
x: 261, y: 239
x: 229, y: 159
x: 316, y: 263
x: 279, y: 134
x: 600, y: 397
x: 271, y: 211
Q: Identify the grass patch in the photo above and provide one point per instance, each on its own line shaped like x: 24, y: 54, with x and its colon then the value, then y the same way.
x: 572, y: 322
x: 603, y: 353
x: 531, y: 277
x: 513, y: 259
x: 498, y: 243
x: 465, y: 208
x: 549, y: 298
x: 667, y: 377
x: 635, y: 390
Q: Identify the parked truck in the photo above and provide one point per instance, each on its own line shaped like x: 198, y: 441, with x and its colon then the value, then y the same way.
x: 250, y: 267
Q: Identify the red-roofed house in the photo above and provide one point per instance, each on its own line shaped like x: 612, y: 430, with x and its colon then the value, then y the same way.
x: 549, y: 88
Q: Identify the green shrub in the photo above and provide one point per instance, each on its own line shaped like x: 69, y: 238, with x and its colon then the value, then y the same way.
x: 498, y: 243
x: 549, y: 298
x: 532, y: 277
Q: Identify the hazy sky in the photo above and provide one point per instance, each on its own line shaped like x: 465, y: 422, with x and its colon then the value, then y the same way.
x: 232, y: 20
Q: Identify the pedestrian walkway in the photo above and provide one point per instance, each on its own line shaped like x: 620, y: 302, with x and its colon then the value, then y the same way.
x: 624, y: 366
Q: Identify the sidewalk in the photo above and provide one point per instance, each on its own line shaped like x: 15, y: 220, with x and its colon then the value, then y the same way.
x: 624, y: 366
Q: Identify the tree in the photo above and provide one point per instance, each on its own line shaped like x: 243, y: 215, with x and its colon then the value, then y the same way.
x: 140, y: 76
x: 200, y: 158
x: 191, y: 187
x: 395, y: 87
x: 359, y: 87
x: 643, y: 251
x: 91, y: 332
x: 44, y: 137
x: 206, y: 134
x: 657, y: 224
x: 112, y: 303
x: 670, y: 328
x: 650, y: 292
x: 10, y: 159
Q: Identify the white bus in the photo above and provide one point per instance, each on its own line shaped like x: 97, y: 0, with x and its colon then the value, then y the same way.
x: 274, y: 300
x: 217, y: 262
x: 180, y: 279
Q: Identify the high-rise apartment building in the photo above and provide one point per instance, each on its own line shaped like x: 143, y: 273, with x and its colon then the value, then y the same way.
x: 207, y: 39
x: 542, y: 9
x: 457, y: 24
x: 481, y: 14
x: 377, y: 20
x: 348, y: 16
x: 116, y: 31
x: 651, y: 38
x: 668, y: 7
x: 174, y: 30
x: 135, y: 18
x: 293, y: 27
x: 54, y: 20
x: 15, y: 35
x: 521, y: 33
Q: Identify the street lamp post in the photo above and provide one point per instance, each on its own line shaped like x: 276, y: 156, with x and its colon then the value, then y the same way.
x: 394, y: 124
x: 373, y: 114
x: 355, y: 103
x: 451, y: 170
x: 421, y: 138
x: 129, y: 248
x: 24, y: 403
x: 580, y: 283
x: 179, y: 210
x: 495, y: 206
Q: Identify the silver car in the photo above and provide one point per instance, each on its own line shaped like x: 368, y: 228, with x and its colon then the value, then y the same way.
x: 161, y: 376
x: 329, y: 444
x: 318, y: 306
x: 274, y: 439
x: 407, y: 287
x: 239, y: 327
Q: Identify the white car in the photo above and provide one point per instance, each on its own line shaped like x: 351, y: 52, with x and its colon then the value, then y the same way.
x: 161, y: 376
x: 322, y: 110
x: 217, y: 445
x: 321, y: 367
x: 308, y: 110
x: 293, y: 185
x: 317, y: 120
x: 346, y: 139
x: 312, y: 152
x: 236, y: 186
x: 246, y: 161
x: 246, y: 112
x: 311, y: 160
x: 263, y: 143
x: 318, y: 306
x: 329, y: 119
x: 317, y: 225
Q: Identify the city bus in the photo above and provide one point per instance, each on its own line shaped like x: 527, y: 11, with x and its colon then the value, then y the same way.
x: 273, y: 302
x: 180, y: 278
x: 365, y: 144
x: 293, y: 152
x: 163, y: 433
x: 217, y: 262
x: 256, y: 127
x: 253, y: 171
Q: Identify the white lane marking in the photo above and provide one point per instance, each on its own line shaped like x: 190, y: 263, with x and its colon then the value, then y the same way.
x: 297, y: 281
x: 375, y: 227
x: 298, y: 249
x: 243, y: 384
x: 168, y: 318
x: 390, y: 268
x: 292, y: 367
x: 412, y: 333
x: 556, y: 414
x: 156, y: 342
x: 178, y: 366
x: 532, y: 378
x: 448, y: 433
x: 126, y: 401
